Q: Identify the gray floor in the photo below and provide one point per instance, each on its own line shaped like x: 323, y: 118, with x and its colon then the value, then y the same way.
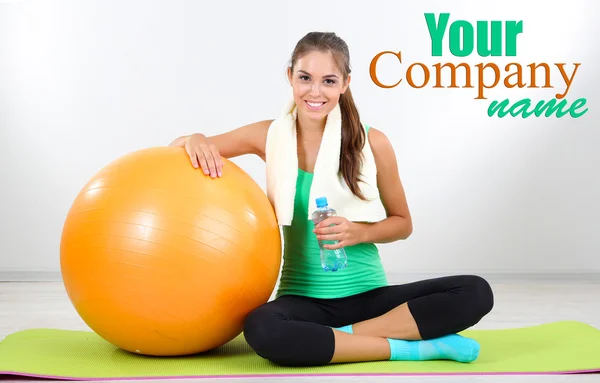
x: 520, y: 301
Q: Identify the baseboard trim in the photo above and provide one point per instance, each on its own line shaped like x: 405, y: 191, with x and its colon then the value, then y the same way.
x: 393, y: 277
x: 30, y: 276
x: 503, y: 276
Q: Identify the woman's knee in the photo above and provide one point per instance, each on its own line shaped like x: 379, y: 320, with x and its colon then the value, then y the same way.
x: 481, y: 295
x: 268, y: 333
x: 273, y: 336
x: 261, y: 329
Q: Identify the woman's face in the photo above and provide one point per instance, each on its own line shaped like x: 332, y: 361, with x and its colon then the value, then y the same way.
x: 317, y: 84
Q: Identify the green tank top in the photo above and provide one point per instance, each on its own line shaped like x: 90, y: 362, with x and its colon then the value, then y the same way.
x: 302, y: 273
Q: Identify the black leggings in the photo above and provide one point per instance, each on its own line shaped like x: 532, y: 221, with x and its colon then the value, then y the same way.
x: 296, y: 331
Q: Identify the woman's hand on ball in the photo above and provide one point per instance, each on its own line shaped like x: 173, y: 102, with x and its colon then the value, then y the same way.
x: 204, y: 154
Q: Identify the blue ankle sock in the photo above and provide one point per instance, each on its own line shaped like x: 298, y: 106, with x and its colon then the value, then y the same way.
x: 451, y: 347
x: 347, y: 329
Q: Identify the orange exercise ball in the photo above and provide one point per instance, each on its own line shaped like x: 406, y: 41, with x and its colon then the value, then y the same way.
x: 160, y: 259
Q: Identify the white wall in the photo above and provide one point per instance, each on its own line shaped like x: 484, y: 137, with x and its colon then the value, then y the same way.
x: 82, y: 82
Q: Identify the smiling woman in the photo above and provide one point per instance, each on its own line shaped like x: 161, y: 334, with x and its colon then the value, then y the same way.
x: 351, y: 315
x: 320, y: 79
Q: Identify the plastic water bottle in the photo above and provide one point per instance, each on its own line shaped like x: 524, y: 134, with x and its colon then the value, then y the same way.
x: 331, y: 260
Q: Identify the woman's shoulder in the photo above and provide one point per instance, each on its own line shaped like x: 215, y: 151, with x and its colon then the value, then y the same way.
x: 379, y: 143
x: 375, y: 137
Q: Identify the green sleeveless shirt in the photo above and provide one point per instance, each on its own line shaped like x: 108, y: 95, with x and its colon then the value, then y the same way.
x: 302, y: 273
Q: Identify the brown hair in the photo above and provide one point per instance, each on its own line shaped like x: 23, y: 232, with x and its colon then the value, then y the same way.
x: 353, y: 134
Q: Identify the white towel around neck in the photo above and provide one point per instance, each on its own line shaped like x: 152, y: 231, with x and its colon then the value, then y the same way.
x: 282, y: 172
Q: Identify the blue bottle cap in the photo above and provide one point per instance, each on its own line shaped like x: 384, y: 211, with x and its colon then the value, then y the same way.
x: 321, y: 201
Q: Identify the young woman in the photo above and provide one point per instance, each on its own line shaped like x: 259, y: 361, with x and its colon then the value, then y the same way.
x: 352, y: 315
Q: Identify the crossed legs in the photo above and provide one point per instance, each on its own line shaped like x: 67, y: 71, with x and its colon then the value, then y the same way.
x: 301, y: 331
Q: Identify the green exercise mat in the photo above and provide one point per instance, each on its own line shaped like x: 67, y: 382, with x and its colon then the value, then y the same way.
x: 554, y: 348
